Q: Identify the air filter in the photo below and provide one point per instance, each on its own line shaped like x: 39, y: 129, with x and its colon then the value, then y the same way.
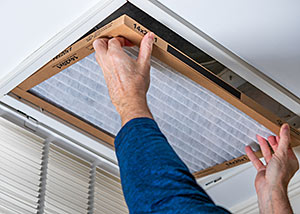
x: 207, y: 121
x: 202, y: 128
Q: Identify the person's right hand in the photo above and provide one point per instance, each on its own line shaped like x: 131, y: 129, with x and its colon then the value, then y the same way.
x: 127, y: 79
x: 273, y: 178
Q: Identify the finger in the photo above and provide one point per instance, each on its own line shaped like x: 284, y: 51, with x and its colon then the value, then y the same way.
x: 128, y: 43
x: 116, y: 44
x: 146, y: 48
x: 115, y: 50
x: 255, y: 161
x: 265, y: 149
x: 124, y: 42
x: 100, y: 46
x: 121, y: 40
x: 273, y: 142
x: 284, y: 135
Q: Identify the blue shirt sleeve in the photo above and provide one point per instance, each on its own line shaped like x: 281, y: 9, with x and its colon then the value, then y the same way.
x: 154, y: 179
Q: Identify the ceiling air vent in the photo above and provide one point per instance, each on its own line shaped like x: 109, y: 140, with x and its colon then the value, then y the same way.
x: 206, y: 120
x: 203, y: 129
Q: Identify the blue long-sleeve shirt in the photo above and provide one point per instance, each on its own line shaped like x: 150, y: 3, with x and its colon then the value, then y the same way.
x: 154, y: 179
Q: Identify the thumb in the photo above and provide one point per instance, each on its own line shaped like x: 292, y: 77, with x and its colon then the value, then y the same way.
x: 146, y: 48
x: 284, y: 138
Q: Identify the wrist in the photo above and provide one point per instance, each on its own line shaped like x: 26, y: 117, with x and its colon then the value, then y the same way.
x: 134, y: 108
x: 274, y: 199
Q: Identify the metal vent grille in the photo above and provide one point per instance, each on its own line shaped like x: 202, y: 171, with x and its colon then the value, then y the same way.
x: 108, y: 196
x: 67, y: 186
x: 38, y: 176
x: 202, y: 128
x: 20, y: 169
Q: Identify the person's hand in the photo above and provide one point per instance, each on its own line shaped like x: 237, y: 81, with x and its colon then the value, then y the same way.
x: 127, y: 79
x: 272, y: 179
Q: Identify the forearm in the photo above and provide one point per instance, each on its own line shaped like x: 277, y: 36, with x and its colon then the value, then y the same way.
x: 273, y: 201
x: 134, y: 107
x: 154, y: 179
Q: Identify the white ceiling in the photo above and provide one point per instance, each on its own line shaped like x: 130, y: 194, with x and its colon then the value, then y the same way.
x: 266, y: 34
x: 28, y: 25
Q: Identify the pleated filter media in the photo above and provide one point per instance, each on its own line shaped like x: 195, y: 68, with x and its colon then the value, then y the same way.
x: 202, y: 128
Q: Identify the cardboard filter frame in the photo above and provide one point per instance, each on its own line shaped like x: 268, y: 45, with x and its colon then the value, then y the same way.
x: 126, y: 27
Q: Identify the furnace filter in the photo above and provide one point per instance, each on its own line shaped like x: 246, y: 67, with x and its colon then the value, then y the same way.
x: 202, y: 128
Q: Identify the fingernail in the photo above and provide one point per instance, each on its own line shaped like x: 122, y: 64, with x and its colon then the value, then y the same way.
x: 94, y: 42
x: 286, y: 127
x: 151, y: 35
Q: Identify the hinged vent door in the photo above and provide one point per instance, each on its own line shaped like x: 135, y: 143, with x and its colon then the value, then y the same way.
x: 20, y: 169
x: 38, y: 176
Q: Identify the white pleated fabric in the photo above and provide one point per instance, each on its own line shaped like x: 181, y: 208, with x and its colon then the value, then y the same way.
x: 203, y: 129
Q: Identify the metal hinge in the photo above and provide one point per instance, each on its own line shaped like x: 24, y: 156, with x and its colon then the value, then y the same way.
x: 30, y: 122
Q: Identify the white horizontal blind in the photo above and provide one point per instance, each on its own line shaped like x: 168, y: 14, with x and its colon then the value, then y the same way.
x: 20, y: 169
x: 40, y: 177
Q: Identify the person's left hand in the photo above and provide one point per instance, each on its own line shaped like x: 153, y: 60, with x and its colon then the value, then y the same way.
x: 272, y: 179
